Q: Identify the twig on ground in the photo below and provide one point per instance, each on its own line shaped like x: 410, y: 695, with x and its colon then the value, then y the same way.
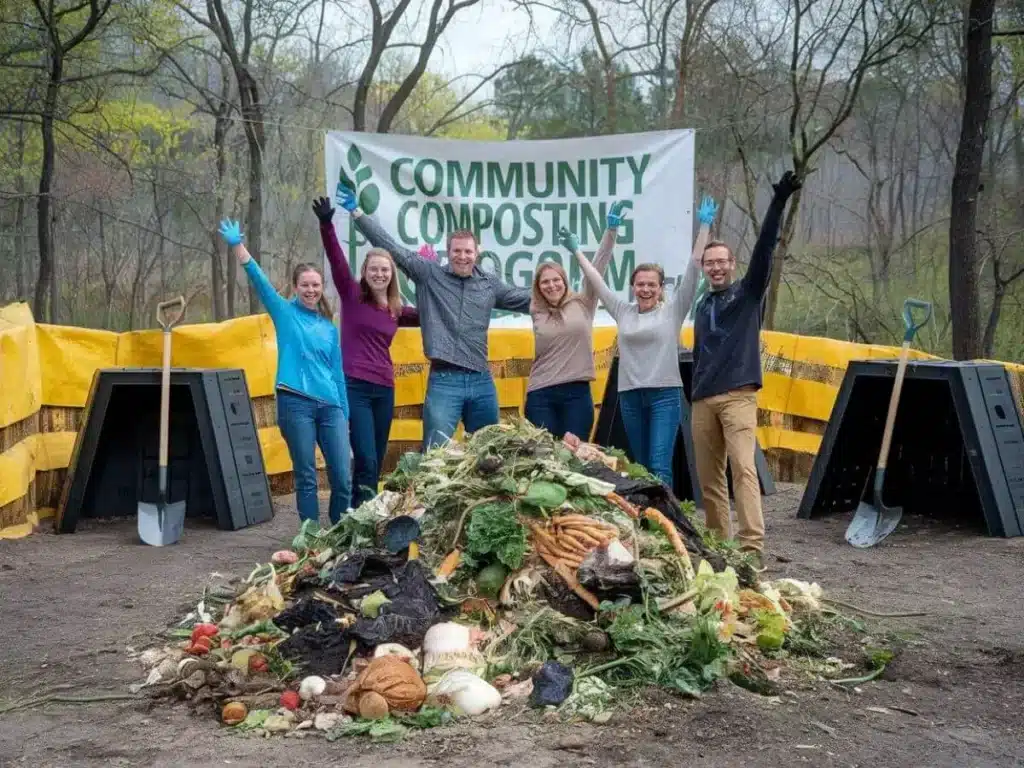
x: 55, y: 699
x: 873, y: 614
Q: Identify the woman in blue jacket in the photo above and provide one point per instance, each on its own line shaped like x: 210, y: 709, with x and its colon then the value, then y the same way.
x: 312, y: 405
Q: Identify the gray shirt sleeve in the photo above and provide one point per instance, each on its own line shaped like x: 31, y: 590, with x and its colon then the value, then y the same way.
x: 682, y: 299
x: 410, y: 262
x: 512, y: 299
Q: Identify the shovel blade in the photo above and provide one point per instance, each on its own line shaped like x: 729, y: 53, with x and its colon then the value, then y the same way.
x: 158, y: 526
x: 871, y: 524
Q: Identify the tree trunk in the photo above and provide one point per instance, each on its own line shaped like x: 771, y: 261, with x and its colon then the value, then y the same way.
x: 988, y: 343
x: 44, y: 225
x: 779, y: 259
x: 963, y: 241
x: 20, y: 242
x: 220, y: 130
x: 252, y: 114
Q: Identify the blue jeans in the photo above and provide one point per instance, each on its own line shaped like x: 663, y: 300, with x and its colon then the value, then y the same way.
x: 562, y: 408
x: 371, y: 407
x: 304, y: 423
x: 454, y: 396
x: 651, y: 418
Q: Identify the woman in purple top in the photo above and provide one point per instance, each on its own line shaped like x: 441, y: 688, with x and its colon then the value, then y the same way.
x: 372, y: 312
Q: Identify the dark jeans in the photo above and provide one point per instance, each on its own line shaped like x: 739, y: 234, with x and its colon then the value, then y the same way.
x: 454, y: 396
x: 651, y: 418
x: 371, y: 407
x: 562, y: 408
x: 305, y: 423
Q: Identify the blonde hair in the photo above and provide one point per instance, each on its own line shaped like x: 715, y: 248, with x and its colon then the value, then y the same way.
x: 539, y: 302
x: 323, y: 306
x: 366, y: 294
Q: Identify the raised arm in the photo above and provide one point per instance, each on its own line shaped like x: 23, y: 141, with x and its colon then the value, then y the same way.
x: 603, y: 257
x: 760, y: 269
x: 410, y: 262
x: 276, y: 304
x: 612, y: 303
x: 682, y: 299
x: 341, y: 274
x: 512, y: 299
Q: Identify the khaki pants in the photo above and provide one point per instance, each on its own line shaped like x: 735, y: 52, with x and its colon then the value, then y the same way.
x: 726, y: 425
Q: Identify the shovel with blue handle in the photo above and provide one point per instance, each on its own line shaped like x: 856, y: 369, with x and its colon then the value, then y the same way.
x: 873, y: 522
x: 161, y: 524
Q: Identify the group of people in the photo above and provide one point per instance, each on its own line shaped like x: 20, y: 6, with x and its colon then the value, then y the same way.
x: 336, y: 390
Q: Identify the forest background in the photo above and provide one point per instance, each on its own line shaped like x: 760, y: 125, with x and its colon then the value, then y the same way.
x: 129, y: 128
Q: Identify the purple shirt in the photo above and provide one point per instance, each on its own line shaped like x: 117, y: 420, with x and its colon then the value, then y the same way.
x: 367, y: 329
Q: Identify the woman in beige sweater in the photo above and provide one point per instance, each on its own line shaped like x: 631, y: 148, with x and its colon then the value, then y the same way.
x: 558, y: 396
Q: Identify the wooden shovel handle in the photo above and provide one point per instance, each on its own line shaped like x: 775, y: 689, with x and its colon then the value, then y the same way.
x: 168, y: 320
x: 894, y: 403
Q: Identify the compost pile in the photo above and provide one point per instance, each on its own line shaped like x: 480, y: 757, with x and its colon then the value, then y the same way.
x: 510, y: 569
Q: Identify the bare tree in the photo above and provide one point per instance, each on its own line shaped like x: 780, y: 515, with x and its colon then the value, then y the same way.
x: 259, y: 25
x: 970, y: 151
x: 833, y: 45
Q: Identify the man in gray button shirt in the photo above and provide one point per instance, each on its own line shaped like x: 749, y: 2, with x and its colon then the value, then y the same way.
x: 454, y: 303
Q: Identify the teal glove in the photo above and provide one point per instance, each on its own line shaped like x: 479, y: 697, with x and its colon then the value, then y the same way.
x: 230, y: 231
x: 568, y: 240
x: 707, y: 211
x: 616, y: 214
x: 346, y: 198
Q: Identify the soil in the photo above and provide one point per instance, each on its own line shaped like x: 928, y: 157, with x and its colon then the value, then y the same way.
x: 953, y: 695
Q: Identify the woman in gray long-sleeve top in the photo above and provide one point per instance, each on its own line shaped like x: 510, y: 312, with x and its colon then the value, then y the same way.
x: 650, y: 387
x: 455, y: 303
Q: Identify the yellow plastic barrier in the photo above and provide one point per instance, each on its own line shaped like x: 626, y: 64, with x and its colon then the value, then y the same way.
x: 46, y: 372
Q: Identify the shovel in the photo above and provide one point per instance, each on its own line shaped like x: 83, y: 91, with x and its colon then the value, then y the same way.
x: 873, y: 522
x: 161, y: 523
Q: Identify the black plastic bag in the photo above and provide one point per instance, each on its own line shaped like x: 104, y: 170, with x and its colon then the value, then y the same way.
x: 405, y: 620
x: 319, y: 649
x: 552, y: 684
x: 414, y: 605
x: 304, y: 613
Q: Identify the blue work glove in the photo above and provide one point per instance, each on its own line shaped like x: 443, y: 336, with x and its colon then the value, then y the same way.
x: 707, y: 211
x: 568, y: 240
x: 230, y: 231
x: 346, y: 198
x: 616, y: 214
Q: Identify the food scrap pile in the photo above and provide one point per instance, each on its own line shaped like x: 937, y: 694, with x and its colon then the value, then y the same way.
x: 507, y: 569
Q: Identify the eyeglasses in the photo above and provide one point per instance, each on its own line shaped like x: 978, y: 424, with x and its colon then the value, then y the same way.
x: 716, y: 263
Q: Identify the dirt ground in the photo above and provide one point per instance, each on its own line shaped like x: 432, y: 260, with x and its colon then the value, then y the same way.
x: 69, y: 605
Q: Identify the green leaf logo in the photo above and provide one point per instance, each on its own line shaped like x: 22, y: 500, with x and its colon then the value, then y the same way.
x: 368, y: 194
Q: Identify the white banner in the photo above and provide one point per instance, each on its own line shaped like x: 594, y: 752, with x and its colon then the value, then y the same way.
x: 515, y: 195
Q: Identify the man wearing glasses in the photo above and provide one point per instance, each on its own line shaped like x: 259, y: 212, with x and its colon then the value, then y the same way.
x: 727, y: 376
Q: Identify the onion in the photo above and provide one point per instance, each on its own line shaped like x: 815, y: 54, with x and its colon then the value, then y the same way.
x: 463, y: 693
x: 311, y: 687
x: 372, y: 706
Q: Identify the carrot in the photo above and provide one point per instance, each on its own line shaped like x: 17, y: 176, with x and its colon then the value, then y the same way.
x: 624, y: 505
x: 656, y: 517
x: 587, y: 539
x: 449, y: 564
x: 566, y: 519
x: 560, y: 568
x: 552, y: 544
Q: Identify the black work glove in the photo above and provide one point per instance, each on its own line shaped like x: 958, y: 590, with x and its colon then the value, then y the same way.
x: 322, y: 209
x: 788, y: 184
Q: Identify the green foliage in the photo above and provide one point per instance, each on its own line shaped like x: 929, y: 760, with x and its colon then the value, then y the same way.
x: 495, y: 530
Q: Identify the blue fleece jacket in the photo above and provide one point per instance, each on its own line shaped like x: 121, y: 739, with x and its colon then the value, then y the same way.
x: 308, y: 347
